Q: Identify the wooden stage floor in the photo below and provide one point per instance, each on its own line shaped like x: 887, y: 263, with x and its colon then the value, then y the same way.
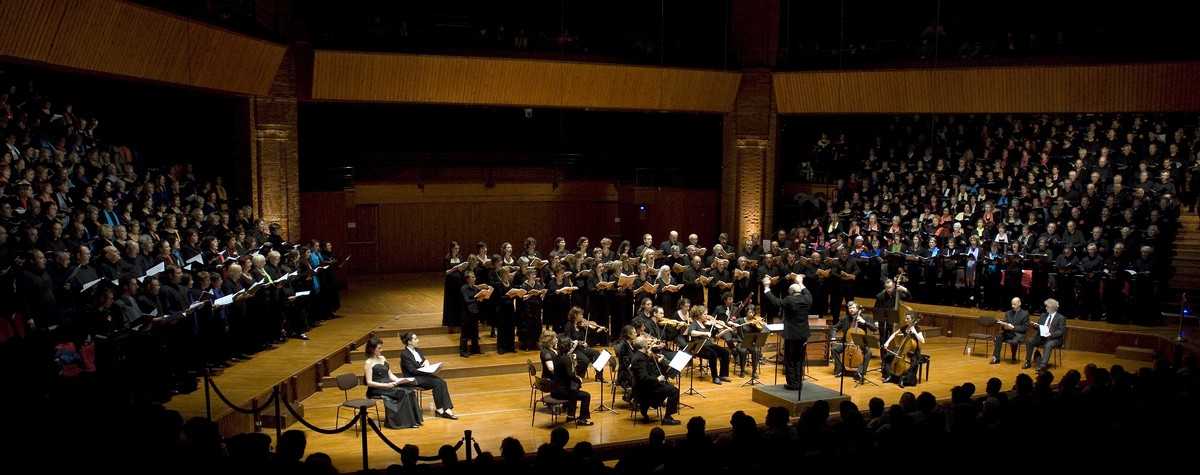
x: 496, y: 405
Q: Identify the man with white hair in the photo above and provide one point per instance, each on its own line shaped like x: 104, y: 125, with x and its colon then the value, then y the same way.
x: 795, y: 328
x: 1050, y: 335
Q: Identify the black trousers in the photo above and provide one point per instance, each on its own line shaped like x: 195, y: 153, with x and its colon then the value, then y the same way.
x: 441, y: 393
x: 468, y: 339
x: 793, y: 361
x: 575, y: 397
x: 1045, y: 344
x: 713, y: 354
x: 584, y: 356
x: 653, y: 394
x: 839, y: 348
x: 1003, y: 339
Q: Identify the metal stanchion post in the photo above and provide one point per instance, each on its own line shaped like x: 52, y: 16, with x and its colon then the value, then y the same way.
x: 469, y: 443
x: 207, y: 397
x: 278, y: 422
x: 362, y: 415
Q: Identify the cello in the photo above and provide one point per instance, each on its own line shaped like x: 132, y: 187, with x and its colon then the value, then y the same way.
x: 904, y: 350
x: 852, y: 354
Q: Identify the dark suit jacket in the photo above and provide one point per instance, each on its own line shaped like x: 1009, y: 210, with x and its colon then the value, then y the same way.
x: 1058, y: 327
x: 885, y: 305
x: 468, y: 294
x: 795, y: 313
x: 409, y: 363
x: 1019, y: 320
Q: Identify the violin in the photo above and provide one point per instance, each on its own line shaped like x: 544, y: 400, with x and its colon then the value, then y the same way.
x: 668, y: 323
x: 590, y: 325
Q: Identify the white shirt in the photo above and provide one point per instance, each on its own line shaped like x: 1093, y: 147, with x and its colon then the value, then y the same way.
x: 416, y: 355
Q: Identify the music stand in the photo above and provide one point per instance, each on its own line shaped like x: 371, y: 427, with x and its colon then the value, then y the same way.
x: 863, y: 341
x: 756, y: 342
x: 692, y: 350
x: 601, y: 362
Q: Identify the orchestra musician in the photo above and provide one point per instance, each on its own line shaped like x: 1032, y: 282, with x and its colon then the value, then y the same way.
x: 887, y: 305
x: 795, y: 328
x: 1012, y: 329
x: 704, y: 326
x: 578, y: 331
x: 558, y: 366
x: 749, y: 322
x: 906, y: 332
x: 854, y: 316
x: 650, y: 387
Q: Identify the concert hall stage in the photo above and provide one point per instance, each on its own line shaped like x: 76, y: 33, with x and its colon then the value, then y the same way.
x: 491, y: 392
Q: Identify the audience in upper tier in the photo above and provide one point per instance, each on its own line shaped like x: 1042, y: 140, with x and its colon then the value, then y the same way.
x: 1082, y: 207
x: 113, y: 267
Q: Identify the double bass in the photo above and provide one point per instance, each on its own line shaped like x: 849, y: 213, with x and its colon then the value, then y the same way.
x: 904, y: 350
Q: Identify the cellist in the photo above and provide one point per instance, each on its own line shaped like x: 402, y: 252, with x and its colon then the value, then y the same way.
x: 904, y: 344
x: 855, y: 319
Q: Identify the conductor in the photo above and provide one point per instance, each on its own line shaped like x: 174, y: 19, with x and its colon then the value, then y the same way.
x: 795, y: 327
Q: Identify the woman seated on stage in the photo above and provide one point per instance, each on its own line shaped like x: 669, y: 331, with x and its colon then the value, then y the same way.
x: 558, y: 366
x: 911, y: 354
x: 400, y: 402
x: 411, y: 363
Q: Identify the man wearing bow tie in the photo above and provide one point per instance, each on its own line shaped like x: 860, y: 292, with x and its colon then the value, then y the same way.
x: 1050, y: 335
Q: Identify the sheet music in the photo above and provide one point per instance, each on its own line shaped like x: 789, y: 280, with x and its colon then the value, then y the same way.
x: 601, y: 360
x: 680, y: 360
x: 226, y: 300
x: 774, y: 327
x: 1044, y: 330
x: 302, y: 293
x: 430, y: 368
x: 90, y: 284
x: 162, y: 266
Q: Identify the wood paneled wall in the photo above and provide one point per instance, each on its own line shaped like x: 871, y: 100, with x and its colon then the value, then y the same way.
x: 1103, y: 88
x: 379, y: 77
x: 115, y: 37
x: 402, y: 228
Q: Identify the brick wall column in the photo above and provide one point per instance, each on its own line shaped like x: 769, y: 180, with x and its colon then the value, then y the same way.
x: 274, y: 152
x: 748, y: 165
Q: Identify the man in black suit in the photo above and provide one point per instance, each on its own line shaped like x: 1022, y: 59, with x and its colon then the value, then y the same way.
x: 854, y: 314
x: 1012, y: 329
x: 795, y: 328
x: 650, y: 386
x: 1051, y: 337
x: 887, y: 306
x: 411, y: 361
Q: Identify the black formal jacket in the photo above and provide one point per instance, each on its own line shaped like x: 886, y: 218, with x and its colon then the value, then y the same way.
x: 409, y: 363
x: 468, y: 294
x: 1058, y: 327
x: 1019, y: 320
x: 795, y: 313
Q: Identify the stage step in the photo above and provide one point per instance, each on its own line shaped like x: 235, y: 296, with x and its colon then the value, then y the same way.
x: 386, y: 331
x: 431, y: 345
x: 1134, y: 353
x: 453, y: 366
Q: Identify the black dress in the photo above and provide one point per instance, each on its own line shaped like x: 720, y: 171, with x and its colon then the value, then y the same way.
x: 529, y: 319
x: 452, y: 304
x: 400, y: 402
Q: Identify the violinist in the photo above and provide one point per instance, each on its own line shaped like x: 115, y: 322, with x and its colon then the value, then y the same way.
x: 578, y: 331
x: 650, y: 386
x: 905, y: 344
x: 705, y: 327
x: 750, y: 322
x: 644, y: 319
x: 855, y: 318
x: 729, y: 312
x: 558, y: 365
